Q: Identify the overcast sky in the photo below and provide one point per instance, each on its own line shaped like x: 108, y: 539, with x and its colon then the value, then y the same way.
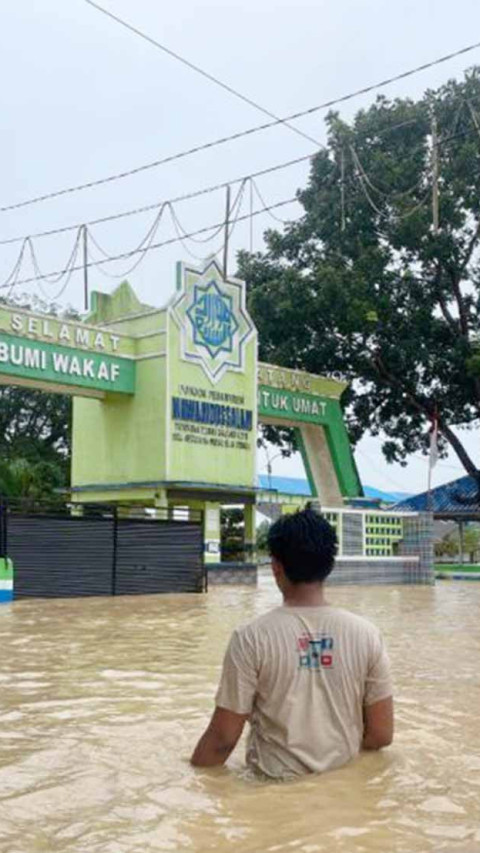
x: 83, y: 98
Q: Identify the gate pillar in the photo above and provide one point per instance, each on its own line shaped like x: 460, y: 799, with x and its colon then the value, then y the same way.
x: 211, y: 531
x: 250, y: 532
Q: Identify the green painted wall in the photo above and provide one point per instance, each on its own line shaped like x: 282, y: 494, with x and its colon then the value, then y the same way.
x: 198, y: 451
x: 122, y: 440
x: 211, y: 454
x: 277, y: 405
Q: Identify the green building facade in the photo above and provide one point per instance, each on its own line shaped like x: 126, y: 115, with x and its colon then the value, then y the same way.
x: 167, y: 401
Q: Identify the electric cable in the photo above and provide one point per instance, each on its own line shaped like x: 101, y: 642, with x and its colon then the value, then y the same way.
x: 264, y: 204
x: 384, y: 194
x: 201, y: 71
x: 146, y: 208
x: 237, y: 201
x: 362, y: 176
x: 17, y: 266
x: 205, y: 146
x: 155, y: 246
x: 194, y: 194
x: 144, y: 244
x: 53, y: 279
x: 183, y: 237
x: 398, y: 216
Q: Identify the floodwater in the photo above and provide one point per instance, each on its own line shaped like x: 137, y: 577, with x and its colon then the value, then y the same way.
x: 102, y: 700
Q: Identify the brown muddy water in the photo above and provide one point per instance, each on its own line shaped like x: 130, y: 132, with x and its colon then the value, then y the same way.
x: 102, y: 700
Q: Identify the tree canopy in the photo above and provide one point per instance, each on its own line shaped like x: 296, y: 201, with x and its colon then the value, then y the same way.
x: 34, y: 426
x: 34, y: 443
x: 34, y: 429
x: 366, y: 286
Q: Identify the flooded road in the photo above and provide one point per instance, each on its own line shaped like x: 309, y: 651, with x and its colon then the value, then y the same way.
x: 102, y: 701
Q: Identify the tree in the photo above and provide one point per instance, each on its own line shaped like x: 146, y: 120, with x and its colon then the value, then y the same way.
x: 365, y: 287
x: 451, y: 544
x: 34, y: 426
x: 262, y: 534
x: 232, y: 526
x: 446, y: 547
x: 26, y: 480
x: 471, y: 542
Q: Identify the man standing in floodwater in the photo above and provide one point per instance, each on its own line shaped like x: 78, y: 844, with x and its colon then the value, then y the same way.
x: 312, y: 680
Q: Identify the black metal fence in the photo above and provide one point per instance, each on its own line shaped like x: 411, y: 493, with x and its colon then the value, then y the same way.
x: 80, y: 550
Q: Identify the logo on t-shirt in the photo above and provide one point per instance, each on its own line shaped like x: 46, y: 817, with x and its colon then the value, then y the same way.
x: 315, y: 652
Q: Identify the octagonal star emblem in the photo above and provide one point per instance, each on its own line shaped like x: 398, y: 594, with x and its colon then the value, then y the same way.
x: 212, y: 318
x: 210, y: 312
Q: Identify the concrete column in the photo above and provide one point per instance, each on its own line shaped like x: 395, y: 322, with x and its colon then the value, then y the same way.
x: 160, y: 502
x: 77, y: 510
x: 250, y: 532
x: 211, y: 531
x: 318, y: 461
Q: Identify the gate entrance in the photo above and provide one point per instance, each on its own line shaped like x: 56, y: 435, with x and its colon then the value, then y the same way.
x: 166, y: 406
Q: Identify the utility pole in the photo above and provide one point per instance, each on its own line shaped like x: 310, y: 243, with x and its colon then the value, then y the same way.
x: 435, y: 213
x: 251, y: 216
x: 227, y: 227
x: 85, y: 267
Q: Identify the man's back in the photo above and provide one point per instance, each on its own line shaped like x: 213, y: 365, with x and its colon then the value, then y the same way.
x: 312, y: 680
x: 304, y: 674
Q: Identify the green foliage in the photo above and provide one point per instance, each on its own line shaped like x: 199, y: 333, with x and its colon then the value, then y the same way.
x: 262, y: 535
x: 471, y: 542
x: 450, y: 545
x: 34, y: 429
x: 232, y: 532
x: 37, y: 481
x: 363, y: 288
x: 447, y: 547
x: 34, y: 443
x: 34, y: 426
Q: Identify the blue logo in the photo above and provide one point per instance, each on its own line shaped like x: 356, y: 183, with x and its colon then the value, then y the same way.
x: 213, y: 321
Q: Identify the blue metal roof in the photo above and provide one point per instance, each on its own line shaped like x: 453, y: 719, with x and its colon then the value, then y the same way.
x: 286, y: 485
x: 299, y: 486
x: 445, y: 499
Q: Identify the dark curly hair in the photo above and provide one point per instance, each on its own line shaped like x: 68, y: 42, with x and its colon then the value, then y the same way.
x: 305, y: 544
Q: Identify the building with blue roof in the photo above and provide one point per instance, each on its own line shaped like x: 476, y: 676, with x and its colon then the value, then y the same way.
x: 298, y: 486
x: 458, y: 500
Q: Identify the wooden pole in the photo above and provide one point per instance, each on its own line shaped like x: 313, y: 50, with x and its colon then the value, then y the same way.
x: 227, y: 227
x: 85, y: 268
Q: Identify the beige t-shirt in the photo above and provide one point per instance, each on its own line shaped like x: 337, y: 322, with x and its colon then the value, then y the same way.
x: 304, y: 675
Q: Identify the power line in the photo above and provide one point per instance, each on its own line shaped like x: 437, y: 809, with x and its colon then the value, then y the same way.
x: 146, y: 249
x: 440, y: 464
x: 223, y: 140
x: 361, y: 176
x: 145, y: 209
x: 181, y: 232
x: 379, y: 471
x: 145, y: 242
x: 227, y: 228
x: 365, y: 183
x: 201, y: 71
x: 214, y: 188
x: 262, y: 201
